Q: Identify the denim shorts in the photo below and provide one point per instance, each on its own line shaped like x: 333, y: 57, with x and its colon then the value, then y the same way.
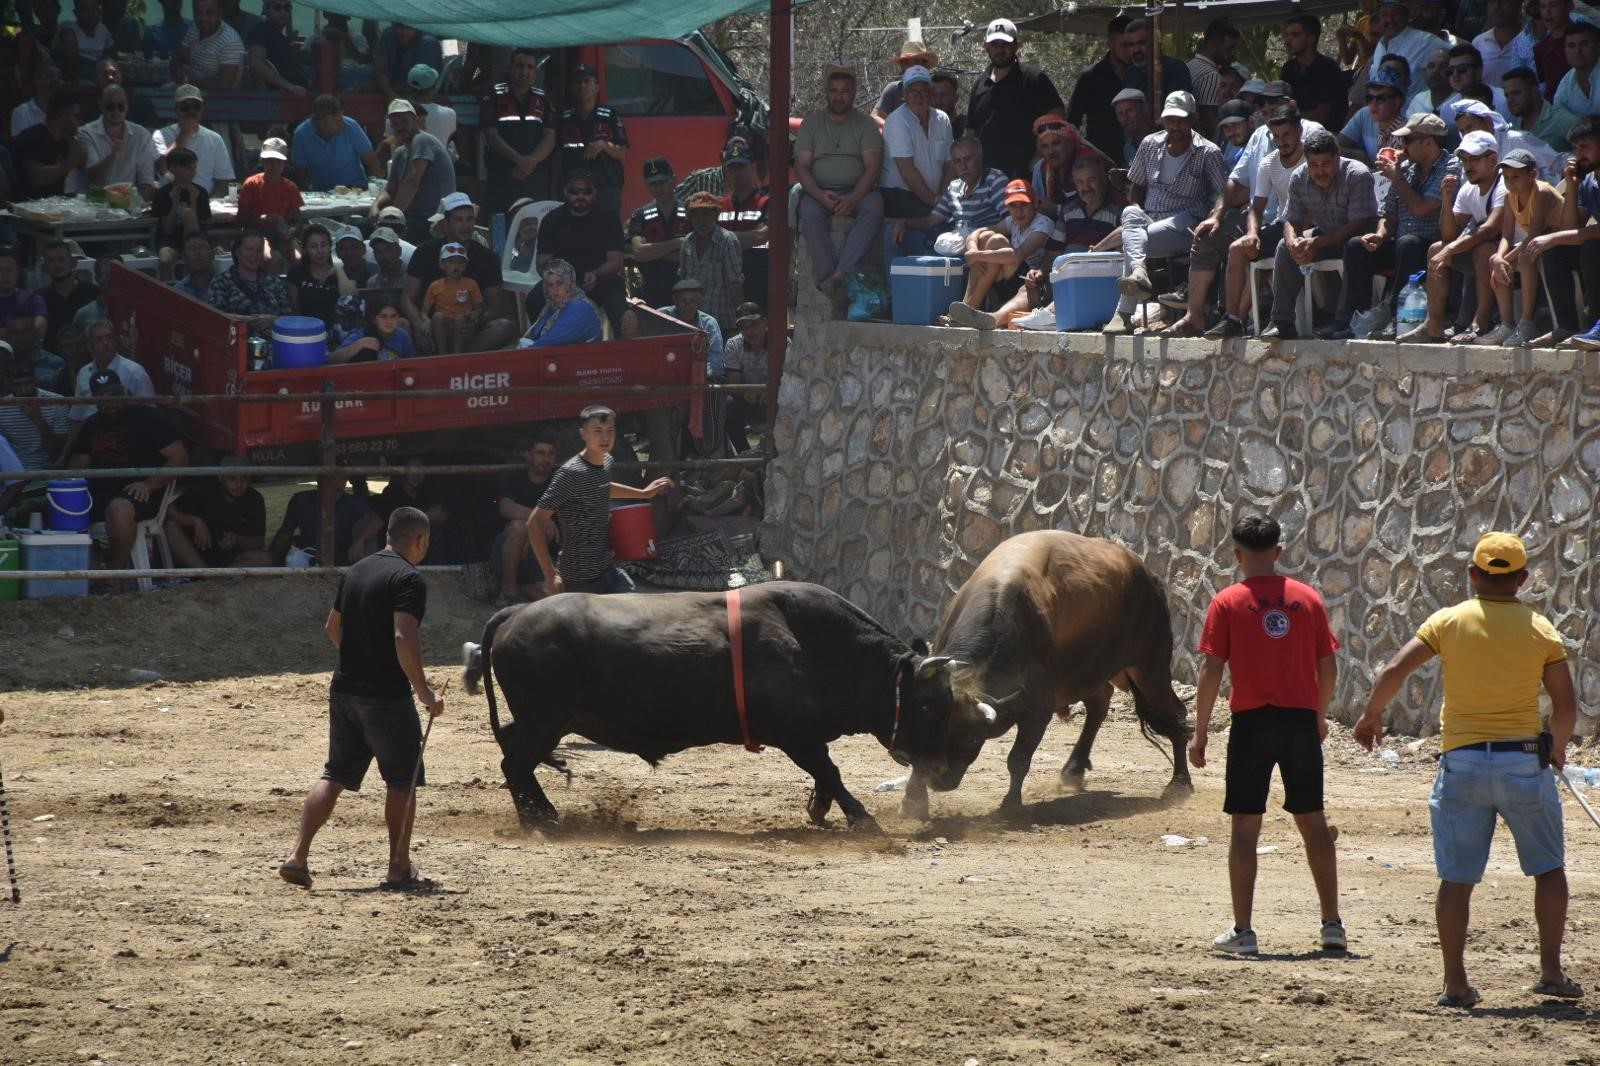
x: 1470, y: 789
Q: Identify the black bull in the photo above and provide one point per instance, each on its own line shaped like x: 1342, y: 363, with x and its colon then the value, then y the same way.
x: 1047, y: 620
x: 652, y: 675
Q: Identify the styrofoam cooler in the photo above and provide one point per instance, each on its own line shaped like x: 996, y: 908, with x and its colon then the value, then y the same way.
x: 55, y: 551
x: 1084, y: 286
x: 922, y: 287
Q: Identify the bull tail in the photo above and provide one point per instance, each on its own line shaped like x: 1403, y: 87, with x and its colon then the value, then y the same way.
x: 477, y: 665
x: 1161, y: 713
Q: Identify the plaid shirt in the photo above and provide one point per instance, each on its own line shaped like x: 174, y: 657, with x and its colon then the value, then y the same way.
x: 1198, y: 183
x: 1393, y: 206
x: 983, y: 206
x: 718, y: 270
x: 1325, y: 210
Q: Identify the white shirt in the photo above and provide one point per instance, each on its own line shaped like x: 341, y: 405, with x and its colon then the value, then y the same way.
x: 26, y: 115
x: 1422, y: 103
x: 207, y: 56
x: 137, y: 164
x: 1272, y: 183
x: 215, y: 163
x: 904, y: 138
x: 1498, y: 60
x: 1042, y: 223
x: 1256, y: 150
x: 1476, y: 205
x: 1447, y: 110
x: 1416, y: 45
x: 1572, y: 97
x: 132, y: 374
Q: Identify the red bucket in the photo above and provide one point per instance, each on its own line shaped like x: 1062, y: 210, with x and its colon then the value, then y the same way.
x: 633, y: 531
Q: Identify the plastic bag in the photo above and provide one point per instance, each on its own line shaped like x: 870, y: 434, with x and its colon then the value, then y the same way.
x: 868, y: 293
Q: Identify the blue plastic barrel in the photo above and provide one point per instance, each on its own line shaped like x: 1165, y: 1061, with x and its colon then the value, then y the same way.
x: 69, y: 503
x: 298, y: 341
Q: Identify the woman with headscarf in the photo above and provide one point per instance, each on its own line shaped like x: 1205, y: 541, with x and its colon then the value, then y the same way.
x: 569, y: 317
x: 247, y: 290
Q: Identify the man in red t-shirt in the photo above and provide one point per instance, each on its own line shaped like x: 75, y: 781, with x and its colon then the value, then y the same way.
x: 1272, y: 634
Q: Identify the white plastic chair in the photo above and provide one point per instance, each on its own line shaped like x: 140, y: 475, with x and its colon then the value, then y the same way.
x: 1303, y: 316
x: 517, y: 280
x: 151, y: 529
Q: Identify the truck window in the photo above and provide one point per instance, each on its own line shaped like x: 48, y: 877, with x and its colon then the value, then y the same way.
x: 658, y: 79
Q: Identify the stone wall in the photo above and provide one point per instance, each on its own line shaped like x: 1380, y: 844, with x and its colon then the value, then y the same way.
x: 907, y: 453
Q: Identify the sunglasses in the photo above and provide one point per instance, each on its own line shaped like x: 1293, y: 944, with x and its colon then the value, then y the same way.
x: 580, y: 190
x: 113, y: 107
x: 190, y: 105
x: 1373, y: 98
x: 1463, y: 68
x: 1048, y: 127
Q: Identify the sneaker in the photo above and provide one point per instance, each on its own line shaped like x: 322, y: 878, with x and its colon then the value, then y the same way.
x: 1589, y: 341
x: 1494, y: 338
x: 970, y: 317
x: 1043, y: 318
x: 1333, y: 938
x: 1119, y: 324
x: 1523, y: 336
x: 1178, y: 298
x: 1228, y: 327
x: 1236, y: 941
x: 1136, y: 283
x: 1382, y: 333
x: 1280, y: 331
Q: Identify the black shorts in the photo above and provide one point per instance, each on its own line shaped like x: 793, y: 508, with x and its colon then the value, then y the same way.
x: 143, y: 510
x: 361, y: 728
x: 1285, y: 737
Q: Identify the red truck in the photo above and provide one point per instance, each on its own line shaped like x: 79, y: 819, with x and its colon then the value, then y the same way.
x: 192, y: 349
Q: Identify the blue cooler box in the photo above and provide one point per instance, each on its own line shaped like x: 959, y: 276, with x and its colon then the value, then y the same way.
x: 55, y: 551
x: 922, y: 287
x: 1084, y: 285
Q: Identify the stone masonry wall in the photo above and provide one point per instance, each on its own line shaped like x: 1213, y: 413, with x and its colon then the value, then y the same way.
x: 905, y: 454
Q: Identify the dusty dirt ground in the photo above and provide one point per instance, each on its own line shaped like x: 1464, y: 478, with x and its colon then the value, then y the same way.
x: 684, y: 915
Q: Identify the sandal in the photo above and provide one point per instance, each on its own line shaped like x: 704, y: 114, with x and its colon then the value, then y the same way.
x: 295, y: 875
x: 1180, y: 328
x: 1566, y: 988
x: 412, y: 882
x: 1466, y: 1002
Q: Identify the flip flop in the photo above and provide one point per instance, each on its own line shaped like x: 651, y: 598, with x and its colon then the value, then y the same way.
x: 1566, y: 988
x: 1466, y: 1002
x: 295, y: 875
x: 412, y: 882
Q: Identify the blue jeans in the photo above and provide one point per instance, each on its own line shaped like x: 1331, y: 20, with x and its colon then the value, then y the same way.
x: 1470, y: 789
x: 609, y: 583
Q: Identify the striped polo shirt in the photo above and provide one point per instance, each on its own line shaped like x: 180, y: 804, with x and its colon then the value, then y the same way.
x: 968, y: 211
x: 580, y: 495
x: 209, y: 55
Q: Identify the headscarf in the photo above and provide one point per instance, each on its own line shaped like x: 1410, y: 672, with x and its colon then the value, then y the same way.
x: 548, y: 316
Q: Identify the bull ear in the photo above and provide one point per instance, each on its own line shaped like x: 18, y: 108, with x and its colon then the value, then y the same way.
x: 931, y: 665
x: 920, y: 646
x: 989, y: 714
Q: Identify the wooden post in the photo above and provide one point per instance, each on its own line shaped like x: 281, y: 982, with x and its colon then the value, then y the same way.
x: 327, y: 487
x: 1156, y: 94
x: 780, y: 240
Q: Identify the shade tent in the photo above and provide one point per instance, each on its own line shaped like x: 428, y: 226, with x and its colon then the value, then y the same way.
x: 547, y: 23
x: 1184, y: 18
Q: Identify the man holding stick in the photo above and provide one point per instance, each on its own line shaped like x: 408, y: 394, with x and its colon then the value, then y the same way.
x: 1496, y: 754
x: 377, y: 612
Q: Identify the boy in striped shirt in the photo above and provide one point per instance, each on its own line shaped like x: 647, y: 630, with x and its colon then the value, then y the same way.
x: 579, y: 496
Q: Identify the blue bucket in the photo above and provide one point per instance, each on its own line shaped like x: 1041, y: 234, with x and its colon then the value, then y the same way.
x: 69, y: 504
x: 298, y: 341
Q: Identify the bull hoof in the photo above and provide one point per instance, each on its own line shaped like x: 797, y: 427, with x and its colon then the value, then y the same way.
x: 863, y: 823
x: 817, y: 807
x: 1072, y: 778
x: 1011, y: 812
x: 537, y: 817
x: 914, y: 809
x: 1178, y: 790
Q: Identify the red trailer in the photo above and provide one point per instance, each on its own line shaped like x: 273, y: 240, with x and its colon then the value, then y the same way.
x: 192, y: 349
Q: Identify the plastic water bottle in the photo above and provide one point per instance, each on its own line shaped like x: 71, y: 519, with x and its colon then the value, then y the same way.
x: 1413, y: 303
x: 1578, y: 775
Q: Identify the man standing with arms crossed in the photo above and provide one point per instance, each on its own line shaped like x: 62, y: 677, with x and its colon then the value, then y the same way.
x: 1272, y: 634
x: 1496, y: 754
x: 374, y: 624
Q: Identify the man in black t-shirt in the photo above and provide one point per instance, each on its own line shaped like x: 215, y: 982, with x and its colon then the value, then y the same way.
x: 510, y: 559
x: 1005, y: 101
x: 45, y: 154
x: 355, y: 526
x: 590, y: 238
x: 375, y: 622
x: 1320, y: 88
x: 495, y: 331
x: 219, y: 522
x: 122, y: 436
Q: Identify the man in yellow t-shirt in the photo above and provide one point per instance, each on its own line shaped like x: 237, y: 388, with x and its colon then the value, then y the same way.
x: 1497, y: 651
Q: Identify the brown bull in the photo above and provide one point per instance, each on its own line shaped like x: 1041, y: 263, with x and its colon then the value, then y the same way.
x: 1048, y: 620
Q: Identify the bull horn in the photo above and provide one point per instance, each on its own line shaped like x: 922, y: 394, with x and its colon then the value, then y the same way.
x: 988, y: 712
x: 1001, y: 701
x: 930, y: 664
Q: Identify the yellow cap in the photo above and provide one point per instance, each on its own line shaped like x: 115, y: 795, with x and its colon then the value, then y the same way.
x: 1500, y: 553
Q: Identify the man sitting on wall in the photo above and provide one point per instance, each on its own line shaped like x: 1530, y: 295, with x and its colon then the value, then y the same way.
x: 838, y: 158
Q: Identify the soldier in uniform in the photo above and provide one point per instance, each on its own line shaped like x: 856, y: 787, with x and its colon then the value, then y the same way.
x: 655, y: 234
x: 744, y: 214
x: 518, y: 137
x: 592, y: 138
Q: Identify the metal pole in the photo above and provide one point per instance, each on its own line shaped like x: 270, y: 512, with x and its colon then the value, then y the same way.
x: 663, y: 392
x: 327, y: 487
x: 312, y: 470
x: 780, y: 240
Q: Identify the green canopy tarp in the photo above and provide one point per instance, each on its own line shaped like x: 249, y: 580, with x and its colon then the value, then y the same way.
x: 546, y: 23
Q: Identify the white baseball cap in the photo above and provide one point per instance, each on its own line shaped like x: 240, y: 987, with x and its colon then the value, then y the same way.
x: 453, y: 201
x: 1001, y: 30
x: 1178, y: 105
x: 275, y: 148
x: 1477, y: 143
